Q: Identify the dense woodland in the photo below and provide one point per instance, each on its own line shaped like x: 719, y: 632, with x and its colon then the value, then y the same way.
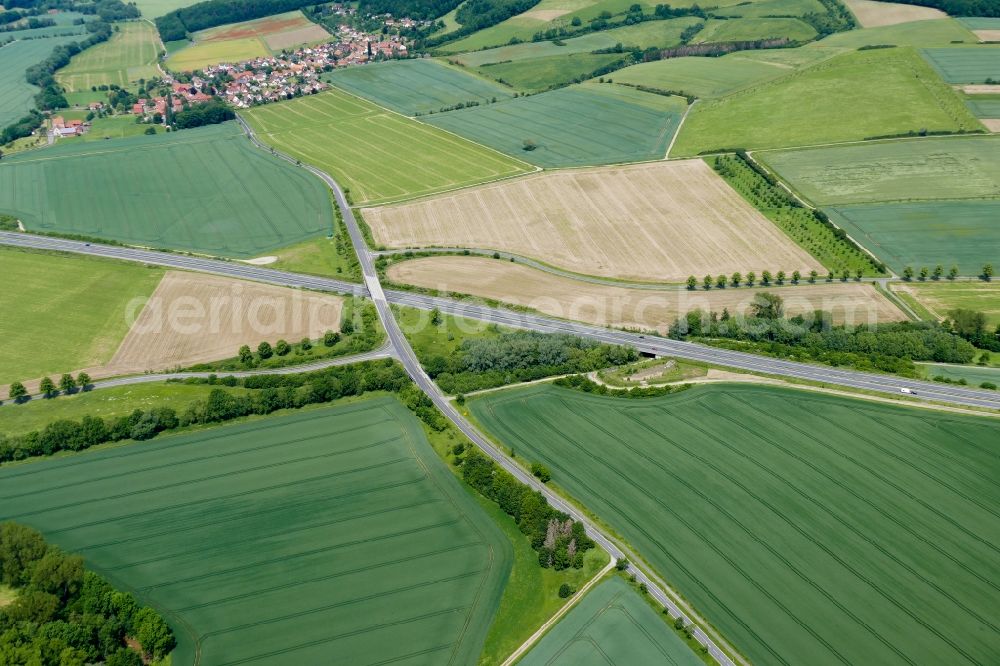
x: 423, y: 10
x: 960, y: 7
x: 65, y: 615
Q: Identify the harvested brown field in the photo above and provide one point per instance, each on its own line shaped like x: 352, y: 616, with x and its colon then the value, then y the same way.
x: 987, y: 35
x: 195, y: 318
x: 871, y: 14
x: 303, y: 35
x: 545, y: 14
x: 625, y: 307
x: 660, y: 221
x: 981, y: 89
x: 992, y: 124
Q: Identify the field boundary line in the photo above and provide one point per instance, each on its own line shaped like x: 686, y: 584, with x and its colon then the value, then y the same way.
x: 680, y: 126
x: 577, y: 598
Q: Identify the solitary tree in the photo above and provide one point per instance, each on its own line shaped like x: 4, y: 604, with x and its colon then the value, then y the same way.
x: 765, y: 278
x: 953, y: 272
x: 282, y: 348
x: 938, y: 271
x: 780, y: 277
x: 707, y: 281
x: 330, y: 338
x: 83, y: 381
x: 720, y: 281
x: 796, y: 276
x: 17, y: 392
x: 47, y: 387
x: 621, y: 564
x: 751, y: 276
x: 908, y: 273
x: 736, y: 279
x: 812, y: 276
x: 829, y: 276
x: 264, y: 350
x: 305, y: 344
x: 767, y: 305
x: 246, y: 356
x: 67, y: 383
x: 987, y: 272
x: 436, y: 317
x: 924, y: 273
x: 692, y: 282
x: 858, y: 272
x: 844, y: 274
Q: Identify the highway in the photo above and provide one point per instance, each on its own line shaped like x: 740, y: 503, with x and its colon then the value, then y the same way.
x: 399, y: 347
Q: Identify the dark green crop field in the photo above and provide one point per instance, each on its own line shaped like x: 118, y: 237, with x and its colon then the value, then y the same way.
x: 331, y: 536
x: 582, y: 125
x: 809, y: 528
x: 611, y: 625
x: 972, y: 64
x: 417, y: 86
x: 204, y: 190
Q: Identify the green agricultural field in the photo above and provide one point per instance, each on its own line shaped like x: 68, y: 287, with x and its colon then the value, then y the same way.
x: 973, y: 64
x: 918, y: 169
x: 889, y: 91
x: 980, y: 23
x: 414, y: 87
x: 701, y: 77
x: 769, y: 8
x: 129, y: 55
x: 538, y: 74
x: 735, y: 30
x: 153, y: 8
x: 204, y: 54
x: 16, y: 95
x: 808, y: 528
x: 612, y: 625
x: 964, y: 233
x: 941, y: 32
x: 62, y: 312
x: 984, y: 106
x: 973, y: 375
x: 205, y: 190
x: 939, y: 297
x: 588, y: 124
x: 379, y: 155
x: 644, y: 35
x: 329, y: 535
x: 114, y: 127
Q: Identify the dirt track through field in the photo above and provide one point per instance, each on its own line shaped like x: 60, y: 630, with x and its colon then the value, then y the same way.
x: 605, y: 305
x: 196, y: 318
x: 660, y: 221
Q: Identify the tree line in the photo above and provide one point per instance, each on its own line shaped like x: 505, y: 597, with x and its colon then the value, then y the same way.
x: 559, y: 540
x: 890, y: 347
x: 63, y: 614
x: 519, y: 356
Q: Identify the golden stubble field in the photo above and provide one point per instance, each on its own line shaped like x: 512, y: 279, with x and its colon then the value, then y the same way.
x: 195, y: 318
x: 625, y: 307
x: 660, y: 222
x: 872, y: 14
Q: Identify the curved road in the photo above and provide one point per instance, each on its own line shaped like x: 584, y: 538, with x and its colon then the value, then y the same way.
x: 401, y: 348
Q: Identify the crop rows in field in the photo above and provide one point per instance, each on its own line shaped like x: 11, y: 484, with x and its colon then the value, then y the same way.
x: 966, y: 65
x: 612, y: 625
x: 808, y: 528
x: 378, y: 155
x: 129, y: 55
x: 582, y: 125
x: 746, y: 29
x: 414, y: 87
x: 984, y: 106
x: 333, y: 536
x: 205, y: 189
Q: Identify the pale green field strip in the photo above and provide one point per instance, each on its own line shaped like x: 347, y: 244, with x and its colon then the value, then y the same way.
x: 971, y: 374
x: 612, y: 625
x: 973, y: 64
x: 416, y: 86
x: 942, y: 32
x: 807, y: 528
x: 963, y: 233
x: 702, y: 77
x: 379, y: 155
x: 205, y: 189
x: 984, y: 108
x: 199, y: 55
x: 916, y: 169
x: 66, y: 311
x: 889, y: 91
x: 129, y: 55
x: 980, y: 23
x: 331, y: 536
x: 736, y: 30
x: 16, y: 95
x: 540, y: 74
x: 940, y: 297
x: 153, y: 8
x: 771, y: 8
x: 644, y: 35
x: 587, y: 124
